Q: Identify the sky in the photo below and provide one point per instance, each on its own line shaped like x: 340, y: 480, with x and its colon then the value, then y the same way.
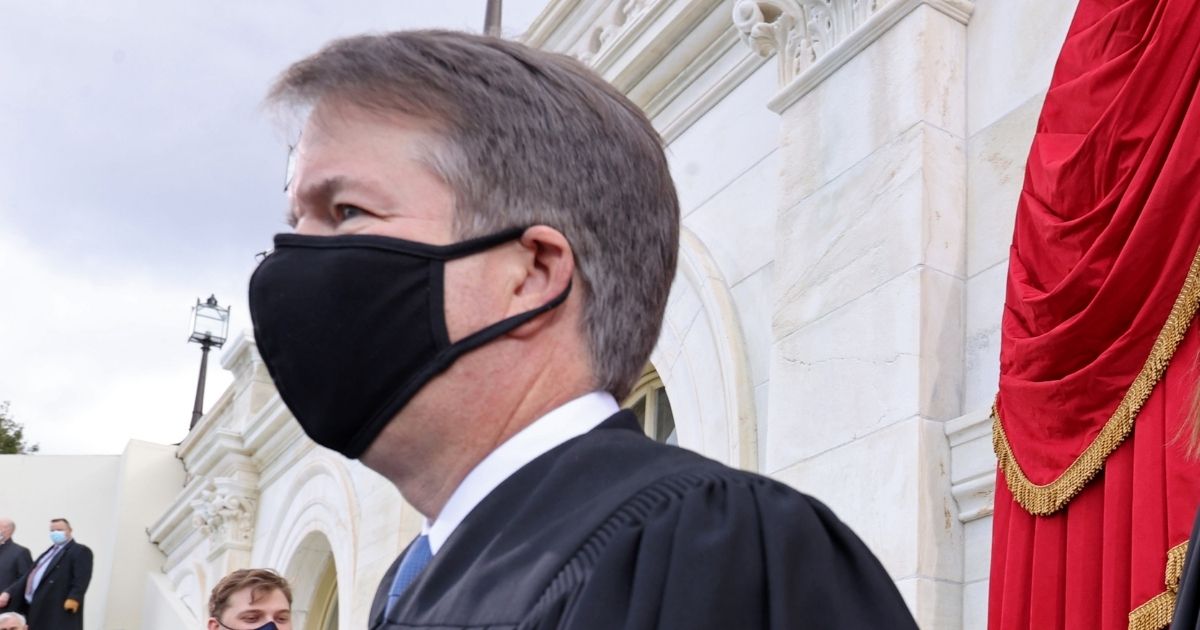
x: 138, y: 173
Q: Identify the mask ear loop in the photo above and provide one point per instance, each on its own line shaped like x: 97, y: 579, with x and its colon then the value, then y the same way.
x: 480, y: 337
x: 367, y: 434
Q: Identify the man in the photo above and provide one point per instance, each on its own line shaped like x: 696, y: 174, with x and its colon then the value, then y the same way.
x: 51, y: 593
x: 486, y: 235
x: 12, y: 621
x: 250, y: 599
x: 15, y: 560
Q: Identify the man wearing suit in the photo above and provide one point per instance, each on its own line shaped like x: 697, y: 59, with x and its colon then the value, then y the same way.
x: 14, y: 559
x: 485, y: 238
x: 51, y: 593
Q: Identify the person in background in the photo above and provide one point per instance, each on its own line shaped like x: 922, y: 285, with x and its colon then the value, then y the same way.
x: 51, y: 593
x: 12, y: 621
x: 15, y: 560
x: 251, y: 599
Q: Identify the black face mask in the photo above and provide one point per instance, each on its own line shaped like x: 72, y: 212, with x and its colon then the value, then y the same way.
x: 270, y: 625
x: 351, y: 327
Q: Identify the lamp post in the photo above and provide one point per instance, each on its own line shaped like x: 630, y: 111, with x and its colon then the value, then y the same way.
x: 491, y: 19
x: 210, y: 327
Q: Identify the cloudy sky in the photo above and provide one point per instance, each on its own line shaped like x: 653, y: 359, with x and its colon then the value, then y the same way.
x: 138, y: 173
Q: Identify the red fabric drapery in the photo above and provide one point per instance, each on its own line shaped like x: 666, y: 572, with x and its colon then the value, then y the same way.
x: 1098, y: 348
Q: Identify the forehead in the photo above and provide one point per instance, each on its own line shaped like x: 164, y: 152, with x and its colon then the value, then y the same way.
x: 58, y: 525
x: 334, y: 125
x: 272, y: 601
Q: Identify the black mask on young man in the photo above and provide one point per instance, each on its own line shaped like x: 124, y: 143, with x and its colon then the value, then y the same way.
x: 351, y: 327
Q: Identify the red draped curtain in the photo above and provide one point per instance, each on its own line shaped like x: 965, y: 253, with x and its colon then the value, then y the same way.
x: 1095, y: 496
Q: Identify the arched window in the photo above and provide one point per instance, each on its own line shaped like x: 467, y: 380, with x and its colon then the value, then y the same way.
x: 312, y: 573
x: 648, y: 401
x: 324, y: 613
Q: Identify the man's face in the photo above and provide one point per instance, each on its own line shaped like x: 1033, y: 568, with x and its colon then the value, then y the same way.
x: 6, y: 532
x: 12, y: 624
x: 243, y: 614
x: 59, y: 526
x: 360, y: 172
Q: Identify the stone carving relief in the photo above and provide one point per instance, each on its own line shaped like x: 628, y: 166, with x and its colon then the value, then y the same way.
x: 799, y: 31
x: 225, y: 515
x: 617, y: 17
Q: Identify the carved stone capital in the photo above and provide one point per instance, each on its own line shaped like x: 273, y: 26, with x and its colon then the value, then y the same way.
x: 224, y: 512
x: 798, y: 31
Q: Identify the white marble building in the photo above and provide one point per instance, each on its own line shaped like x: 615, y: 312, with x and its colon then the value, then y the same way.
x: 848, y: 171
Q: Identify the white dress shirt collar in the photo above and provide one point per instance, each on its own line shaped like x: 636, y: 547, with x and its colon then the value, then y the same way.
x: 563, y: 423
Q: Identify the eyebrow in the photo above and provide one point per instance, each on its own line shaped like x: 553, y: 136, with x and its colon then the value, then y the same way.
x: 321, y: 193
x: 317, y: 194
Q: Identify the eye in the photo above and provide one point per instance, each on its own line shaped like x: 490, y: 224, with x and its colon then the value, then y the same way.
x: 345, y: 212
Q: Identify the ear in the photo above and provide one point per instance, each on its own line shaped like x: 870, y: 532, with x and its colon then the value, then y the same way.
x: 548, y: 268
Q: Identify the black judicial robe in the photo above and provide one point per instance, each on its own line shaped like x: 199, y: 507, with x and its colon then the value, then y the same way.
x: 612, y: 530
x: 1187, y: 602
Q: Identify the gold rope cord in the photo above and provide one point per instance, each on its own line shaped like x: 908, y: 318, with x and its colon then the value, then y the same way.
x: 1052, y: 497
x: 1158, y: 611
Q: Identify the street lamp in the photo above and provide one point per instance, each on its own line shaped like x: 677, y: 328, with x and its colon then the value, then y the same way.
x: 210, y: 327
x: 491, y: 18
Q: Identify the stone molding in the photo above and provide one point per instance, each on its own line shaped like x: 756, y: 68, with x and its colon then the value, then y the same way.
x: 652, y: 50
x: 275, y: 440
x: 721, y: 399
x: 715, y: 93
x: 972, y: 464
x: 813, y: 38
x: 611, y: 33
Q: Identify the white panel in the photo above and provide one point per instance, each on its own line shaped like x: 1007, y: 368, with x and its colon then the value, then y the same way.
x: 985, y: 305
x: 1012, y: 46
x: 996, y: 159
x: 738, y: 223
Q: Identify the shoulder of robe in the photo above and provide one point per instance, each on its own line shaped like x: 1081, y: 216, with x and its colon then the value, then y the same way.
x: 709, y: 502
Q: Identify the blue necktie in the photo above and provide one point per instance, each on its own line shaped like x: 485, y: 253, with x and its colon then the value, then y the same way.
x: 419, y: 555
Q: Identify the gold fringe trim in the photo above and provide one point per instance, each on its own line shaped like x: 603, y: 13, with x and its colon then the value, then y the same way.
x: 1041, y: 500
x: 1175, y: 558
x: 1155, y: 614
x: 1159, y: 610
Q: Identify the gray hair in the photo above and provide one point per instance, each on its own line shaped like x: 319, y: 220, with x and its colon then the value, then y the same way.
x: 528, y: 138
x: 9, y: 616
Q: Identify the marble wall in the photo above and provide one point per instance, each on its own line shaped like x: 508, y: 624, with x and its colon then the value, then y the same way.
x: 904, y: 132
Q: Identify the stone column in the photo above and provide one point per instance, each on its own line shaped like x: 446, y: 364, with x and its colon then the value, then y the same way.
x: 867, y: 356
